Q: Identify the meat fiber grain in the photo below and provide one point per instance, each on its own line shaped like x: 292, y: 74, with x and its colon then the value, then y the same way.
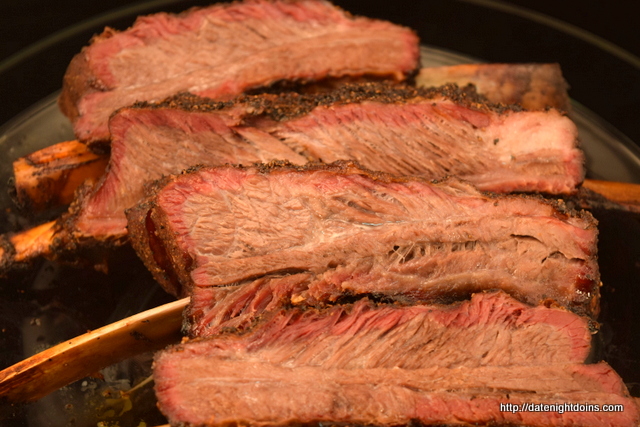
x: 209, y: 383
x: 360, y: 232
x: 491, y: 329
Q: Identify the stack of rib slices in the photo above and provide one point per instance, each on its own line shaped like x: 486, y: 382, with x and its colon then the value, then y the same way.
x: 356, y: 253
x: 329, y: 293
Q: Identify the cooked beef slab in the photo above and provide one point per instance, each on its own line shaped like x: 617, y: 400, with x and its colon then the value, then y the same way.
x: 362, y: 232
x: 397, y: 129
x: 224, y: 49
x: 491, y: 329
x: 215, y: 382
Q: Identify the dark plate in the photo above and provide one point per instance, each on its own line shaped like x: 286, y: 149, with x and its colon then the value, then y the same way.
x: 50, y: 303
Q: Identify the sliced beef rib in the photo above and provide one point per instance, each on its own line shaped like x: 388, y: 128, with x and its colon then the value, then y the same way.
x: 362, y: 232
x: 397, y: 129
x: 215, y: 382
x: 490, y: 329
x: 223, y: 49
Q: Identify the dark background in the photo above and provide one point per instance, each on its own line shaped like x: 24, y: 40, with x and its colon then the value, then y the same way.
x: 604, y: 83
x: 27, y: 21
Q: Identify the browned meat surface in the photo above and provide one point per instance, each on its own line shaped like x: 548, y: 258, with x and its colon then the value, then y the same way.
x: 223, y: 49
x: 534, y: 86
x: 361, y: 232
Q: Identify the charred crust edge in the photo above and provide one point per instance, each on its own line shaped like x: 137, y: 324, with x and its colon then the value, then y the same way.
x: 290, y: 105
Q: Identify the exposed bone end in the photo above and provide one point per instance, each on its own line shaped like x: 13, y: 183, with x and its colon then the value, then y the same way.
x: 49, y: 177
x: 626, y: 195
x: 21, y: 249
x: 34, y: 242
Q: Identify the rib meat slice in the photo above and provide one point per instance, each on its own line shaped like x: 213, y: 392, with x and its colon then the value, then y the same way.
x: 397, y: 129
x: 223, y: 49
x: 534, y: 86
x: 216, y: 382
x: 491, y: 329
x: 362, y: 232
